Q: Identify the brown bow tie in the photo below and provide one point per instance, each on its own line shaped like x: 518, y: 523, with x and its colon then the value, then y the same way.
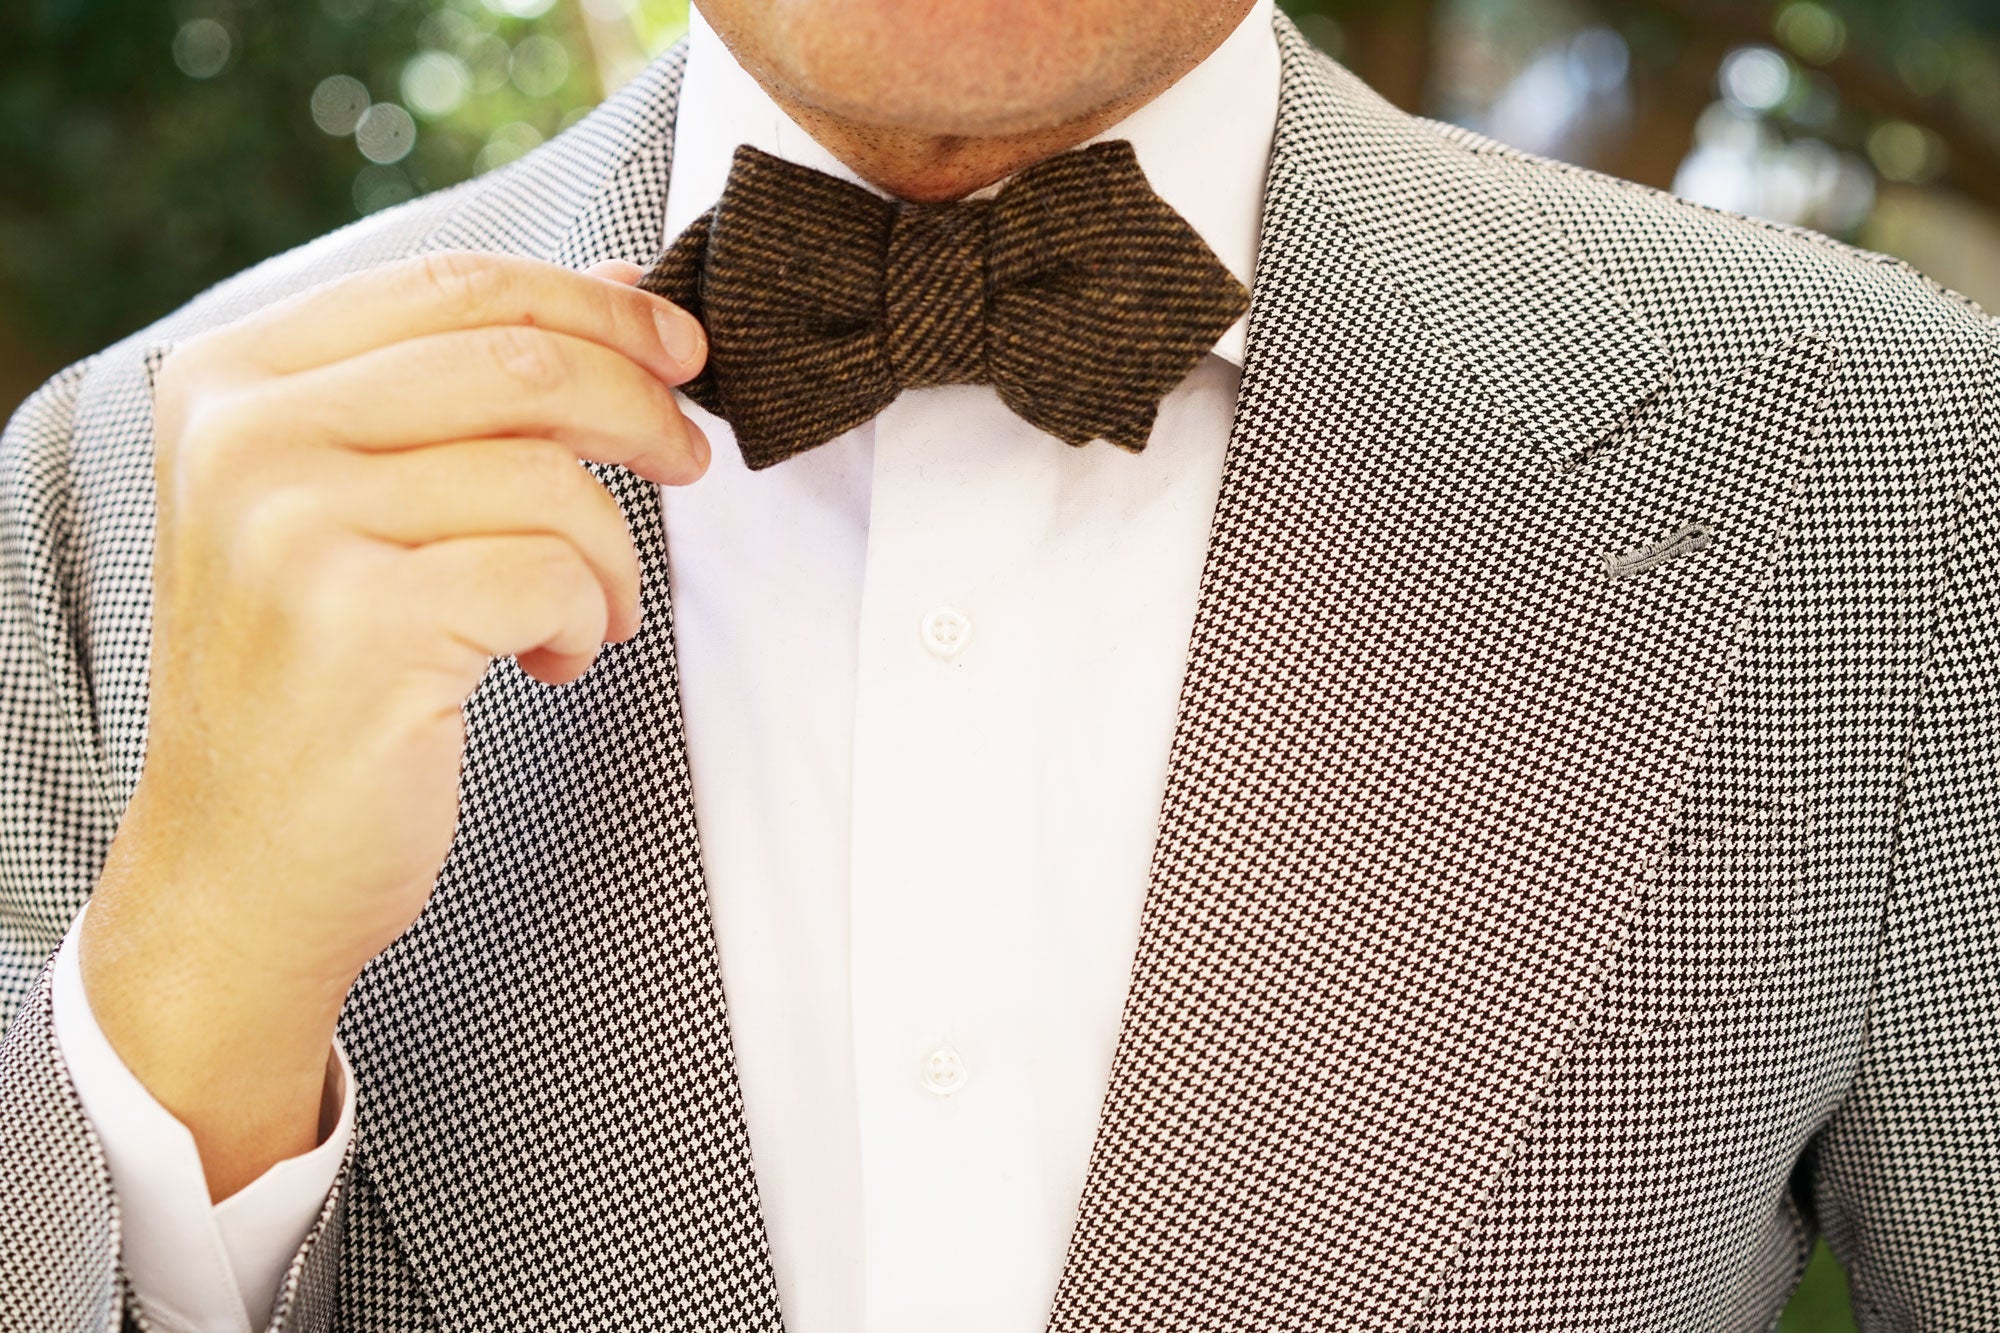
x: 1076, y: 292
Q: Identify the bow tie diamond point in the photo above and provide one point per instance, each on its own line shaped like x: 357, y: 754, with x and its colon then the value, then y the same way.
x: 1079, y: 294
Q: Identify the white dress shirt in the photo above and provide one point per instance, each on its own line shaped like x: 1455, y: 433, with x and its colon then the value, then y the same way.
x: 929, y: 672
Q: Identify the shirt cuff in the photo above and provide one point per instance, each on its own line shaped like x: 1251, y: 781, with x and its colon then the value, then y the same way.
x: 197, y: 1267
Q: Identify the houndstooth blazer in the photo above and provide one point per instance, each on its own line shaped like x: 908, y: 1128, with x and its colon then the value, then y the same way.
x: 1578, y: 879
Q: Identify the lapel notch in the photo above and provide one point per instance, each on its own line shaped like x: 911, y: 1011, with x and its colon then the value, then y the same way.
x: 1502, y: 290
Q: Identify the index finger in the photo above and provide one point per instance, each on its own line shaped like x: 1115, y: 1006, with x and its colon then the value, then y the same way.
x: 450, y: 290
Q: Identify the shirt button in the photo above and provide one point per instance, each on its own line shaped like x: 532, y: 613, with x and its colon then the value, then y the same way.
x: 944, y: 1071
x: 945, y: 631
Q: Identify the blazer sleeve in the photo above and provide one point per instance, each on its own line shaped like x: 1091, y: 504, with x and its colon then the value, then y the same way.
x: 59, y: 1217
x: 1903, y: 1178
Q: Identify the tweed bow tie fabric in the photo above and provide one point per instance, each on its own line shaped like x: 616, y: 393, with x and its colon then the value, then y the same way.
x: 1076, y: 292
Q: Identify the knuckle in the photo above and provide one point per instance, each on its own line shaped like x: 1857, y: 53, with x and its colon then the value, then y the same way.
x: 273, y: 528
x: 539, y: 583
x: 541, y: 471
x: 337, y: 598
x: 565, y: 582
x: 178, y: 383
x: 193, y: 358
x: 558, y: 571
x: 528, y: 356
x: 464, y: 282
x: 218, y: 432
x: 171, y: 381
x: 683, y: 458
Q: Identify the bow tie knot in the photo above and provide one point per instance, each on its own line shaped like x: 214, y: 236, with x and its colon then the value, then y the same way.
x: 934, y: 294
x: 1076, y: 292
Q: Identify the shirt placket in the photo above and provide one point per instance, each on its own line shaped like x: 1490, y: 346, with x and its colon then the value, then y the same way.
x: 944, y: 841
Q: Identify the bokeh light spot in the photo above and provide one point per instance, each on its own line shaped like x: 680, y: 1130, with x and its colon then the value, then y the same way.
x: 1756, y: 78
x: 201, y: 48
x: 381, y: 186
x: 1814, y: 31
x: 1905, y: 152
x: 1599, y: 59
x: 540, y: 66
x: 435, y: 83
x: 487, y: 57
x: 1925, y: 67
x: 338, y: 102
x: 386, y: 133
x: 448, y: 30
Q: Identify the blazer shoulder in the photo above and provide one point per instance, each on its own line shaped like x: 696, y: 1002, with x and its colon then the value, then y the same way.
x: 1674, y: 257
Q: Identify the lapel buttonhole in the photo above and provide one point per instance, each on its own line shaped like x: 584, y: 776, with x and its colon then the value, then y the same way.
x: 1689, y: 537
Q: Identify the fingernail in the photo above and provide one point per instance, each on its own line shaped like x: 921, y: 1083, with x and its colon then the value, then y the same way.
x: 698, y: 444
x: 680, y: 335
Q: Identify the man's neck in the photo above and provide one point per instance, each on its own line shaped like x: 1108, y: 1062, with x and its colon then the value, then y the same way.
x: 929, y: 168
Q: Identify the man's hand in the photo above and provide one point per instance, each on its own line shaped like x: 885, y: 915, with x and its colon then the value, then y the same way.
x: 366, y: 493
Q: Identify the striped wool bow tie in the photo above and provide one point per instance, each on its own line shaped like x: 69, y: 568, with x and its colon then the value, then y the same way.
x: 1076, y: 292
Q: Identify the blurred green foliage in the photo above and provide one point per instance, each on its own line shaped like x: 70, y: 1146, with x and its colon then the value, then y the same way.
x: 1909, y: 88
x: 1820, y: 1305
x: 150, y: 149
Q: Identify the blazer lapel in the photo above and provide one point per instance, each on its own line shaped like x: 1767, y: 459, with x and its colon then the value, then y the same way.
x: 550, y: 1111
x: 1430, y: 743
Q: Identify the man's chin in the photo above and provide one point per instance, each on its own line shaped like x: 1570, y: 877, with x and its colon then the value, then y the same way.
x: 967, y: 69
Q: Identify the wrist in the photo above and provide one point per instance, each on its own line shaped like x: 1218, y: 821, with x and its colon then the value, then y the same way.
x: 164, y: 1002
x: 235, y: 1047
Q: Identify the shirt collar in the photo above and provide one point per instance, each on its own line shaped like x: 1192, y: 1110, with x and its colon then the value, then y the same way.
x: 1204, y: 143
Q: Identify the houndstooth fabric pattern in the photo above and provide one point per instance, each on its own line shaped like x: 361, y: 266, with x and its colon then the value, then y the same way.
x: 59, y: 1230
x: 1576, y: 878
